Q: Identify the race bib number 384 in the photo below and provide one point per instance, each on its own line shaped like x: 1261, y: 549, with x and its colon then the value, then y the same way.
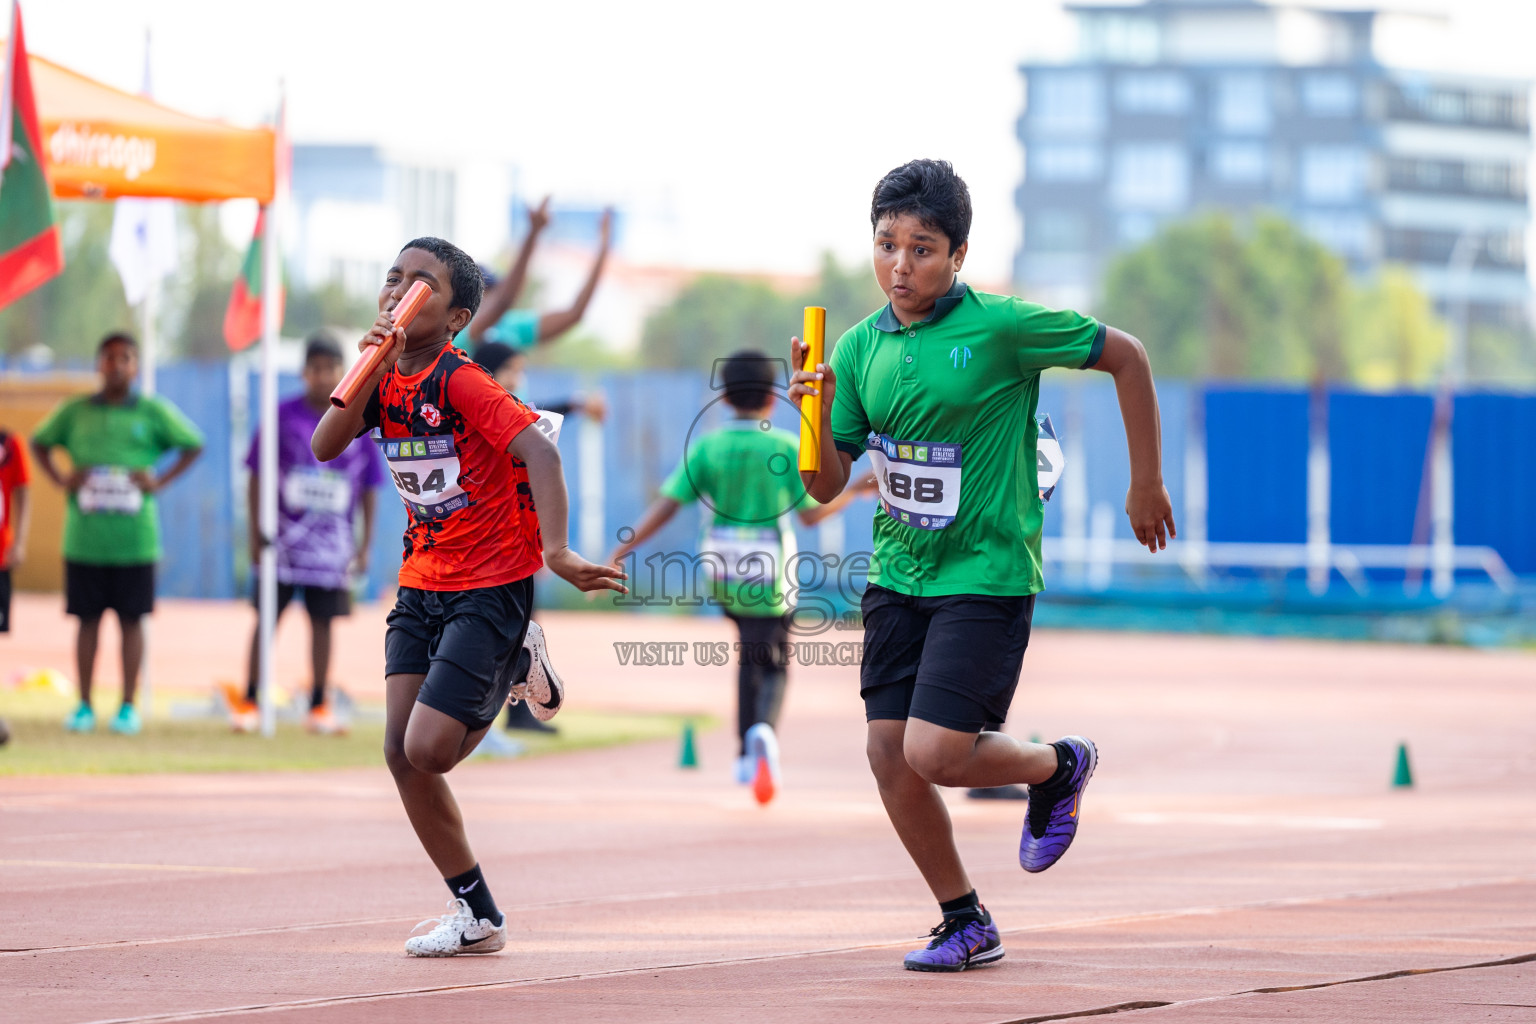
x: 425, y: 471
x: 919, y: 481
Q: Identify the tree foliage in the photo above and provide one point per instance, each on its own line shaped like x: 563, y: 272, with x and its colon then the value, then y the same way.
x: 717, y: 314
x: 1210, y: 298
x: 71, y: 313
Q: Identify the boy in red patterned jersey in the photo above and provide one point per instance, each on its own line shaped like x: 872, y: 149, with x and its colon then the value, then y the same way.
x: 485, y: 499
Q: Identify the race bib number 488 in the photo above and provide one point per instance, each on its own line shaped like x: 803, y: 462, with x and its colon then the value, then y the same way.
x: 426, y: 473
x: 919, y: 481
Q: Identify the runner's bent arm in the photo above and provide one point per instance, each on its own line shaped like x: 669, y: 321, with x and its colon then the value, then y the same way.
x: 338, y: 428
x: 858, y: 488
x: 546, y: 482
x: 1146, y: 503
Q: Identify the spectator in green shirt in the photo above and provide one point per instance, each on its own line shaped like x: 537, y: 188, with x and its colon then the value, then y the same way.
x: 114, y: 439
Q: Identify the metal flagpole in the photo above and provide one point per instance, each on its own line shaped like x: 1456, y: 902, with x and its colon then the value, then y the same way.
x: 267, y: 455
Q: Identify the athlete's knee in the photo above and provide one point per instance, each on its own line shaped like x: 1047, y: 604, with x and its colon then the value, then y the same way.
x: 885, y: 753
x: 427, y: 757
x: 932, y: 762
x: 394, y: 755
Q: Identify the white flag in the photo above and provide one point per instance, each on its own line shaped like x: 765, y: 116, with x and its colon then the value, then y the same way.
x: 143, y: 246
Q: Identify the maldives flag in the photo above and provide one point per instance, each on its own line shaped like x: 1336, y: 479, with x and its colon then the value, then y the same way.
x: 242, y: 320
x: 30, y: 249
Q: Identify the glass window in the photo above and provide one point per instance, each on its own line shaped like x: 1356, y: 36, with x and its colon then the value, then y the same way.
x: 1242, y: 103
x: 1332, y: 174
x: 1150, y: 176
x: 1348, y: 235
x: 1329, y: 95
x: 1056, y: 231
x: 1066, y: 102
x: 1065, y: 161
x: 1135, y: 228
x: 1152, y: 92
x: 1240, y: 163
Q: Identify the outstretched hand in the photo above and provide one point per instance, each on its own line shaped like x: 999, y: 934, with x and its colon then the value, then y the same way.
x: 582, y: 574
x: 1151, y: 513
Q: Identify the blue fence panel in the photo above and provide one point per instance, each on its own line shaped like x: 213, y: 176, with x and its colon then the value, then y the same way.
x: 1376, y: 446
x: 195, y: 522
x: 1256, y: 458
x: 1493, y: 451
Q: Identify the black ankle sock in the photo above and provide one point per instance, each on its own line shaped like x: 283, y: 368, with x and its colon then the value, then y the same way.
x: 1066, y: 764
x: 316, y: 696
x: 471, y: 888
x: 961, y: 906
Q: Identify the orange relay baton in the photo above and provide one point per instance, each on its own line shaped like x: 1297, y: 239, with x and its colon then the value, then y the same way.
x: 404, y: 312
x: 815, y: 339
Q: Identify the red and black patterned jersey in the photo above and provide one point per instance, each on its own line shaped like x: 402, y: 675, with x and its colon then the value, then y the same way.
x: 444, y: 432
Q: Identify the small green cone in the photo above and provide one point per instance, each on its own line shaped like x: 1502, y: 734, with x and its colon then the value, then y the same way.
x: 688, y: 757
x: 1034, y: 737
x: 1402, y: 776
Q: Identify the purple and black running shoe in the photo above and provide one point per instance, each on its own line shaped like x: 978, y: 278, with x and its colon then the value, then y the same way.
x: 958, y: 943
x: 1051, y: 821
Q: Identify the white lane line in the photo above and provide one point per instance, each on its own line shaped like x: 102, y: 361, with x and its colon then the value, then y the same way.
x: 75, y: 865
x: 1311, y: 823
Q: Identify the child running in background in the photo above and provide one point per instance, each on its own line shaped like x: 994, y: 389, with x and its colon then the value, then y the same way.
x: 745, y: 473
x: 940, y: 388
x: 318, y: 544
x: 477, y: 523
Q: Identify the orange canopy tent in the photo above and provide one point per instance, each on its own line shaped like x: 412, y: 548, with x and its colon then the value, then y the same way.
x: 103, y: 143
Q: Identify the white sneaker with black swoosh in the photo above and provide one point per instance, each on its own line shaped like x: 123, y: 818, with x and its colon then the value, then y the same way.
x: 543, y: 691
x: 457, y: 932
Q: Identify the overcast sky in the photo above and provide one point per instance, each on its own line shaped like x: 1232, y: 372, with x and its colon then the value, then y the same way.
x: 753, y: 131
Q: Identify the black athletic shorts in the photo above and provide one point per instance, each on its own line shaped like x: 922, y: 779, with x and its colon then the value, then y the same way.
x: 322, y: 603
x: 465, y: 642
x: 5, y: 600
x: 90, y: 590
x: 953, y: 661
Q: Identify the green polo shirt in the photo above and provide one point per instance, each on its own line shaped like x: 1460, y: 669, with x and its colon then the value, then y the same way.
x: 749, y: 479
x: 110, y: 440
x: 946, y: 408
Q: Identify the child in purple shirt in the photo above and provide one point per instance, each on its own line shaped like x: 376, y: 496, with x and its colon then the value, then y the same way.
x: 318, y: 547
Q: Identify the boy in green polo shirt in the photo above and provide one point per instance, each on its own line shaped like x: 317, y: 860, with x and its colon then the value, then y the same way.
x: 111, y: 531
x: 744, y: 473
x: 940, y: 388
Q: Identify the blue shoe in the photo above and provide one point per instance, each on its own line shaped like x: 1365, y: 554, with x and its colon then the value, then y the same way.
x: 83, y: 719
x: 127, y: 722
x: 1051, y: 821
x: 958, y: 943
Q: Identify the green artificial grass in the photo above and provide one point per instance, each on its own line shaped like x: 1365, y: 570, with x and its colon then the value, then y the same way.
x: 40, y: 746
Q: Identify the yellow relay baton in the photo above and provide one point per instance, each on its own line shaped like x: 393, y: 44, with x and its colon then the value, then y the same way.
x: 814, y: 337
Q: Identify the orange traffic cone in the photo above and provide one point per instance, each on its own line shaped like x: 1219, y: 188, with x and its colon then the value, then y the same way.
x: 762, y: 784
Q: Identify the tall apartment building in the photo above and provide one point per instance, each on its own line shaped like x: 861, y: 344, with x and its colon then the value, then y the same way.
x: 1172, y: 106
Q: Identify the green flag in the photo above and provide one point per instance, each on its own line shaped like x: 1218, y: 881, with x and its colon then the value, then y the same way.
x: 30, y: 250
